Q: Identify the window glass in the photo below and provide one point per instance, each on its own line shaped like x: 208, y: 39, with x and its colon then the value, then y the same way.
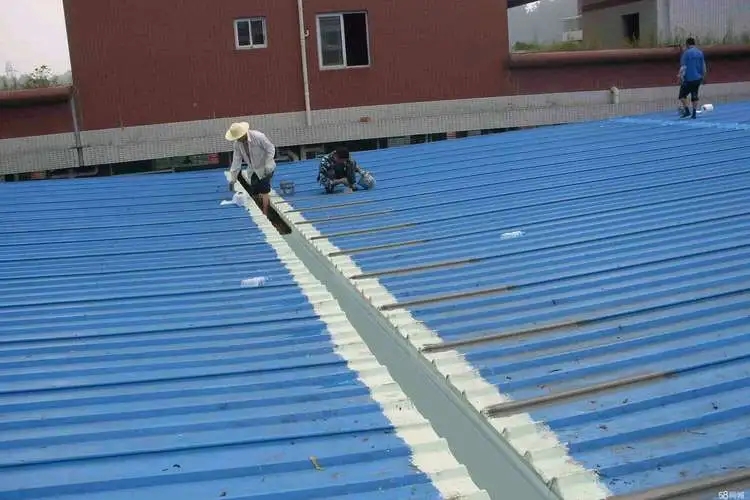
x: 243, y: 33
x: 331, y: 41
x: 258, y: 32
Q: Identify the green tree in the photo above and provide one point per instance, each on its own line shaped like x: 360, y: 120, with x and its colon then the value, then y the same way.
x: 41, y: 77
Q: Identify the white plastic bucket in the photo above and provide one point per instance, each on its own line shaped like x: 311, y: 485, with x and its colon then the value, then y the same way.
x: 287, y: 187
x: 366, y: 181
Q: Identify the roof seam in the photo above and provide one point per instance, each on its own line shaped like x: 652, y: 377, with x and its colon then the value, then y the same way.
x: 450, y: 477
x: 542, y: 449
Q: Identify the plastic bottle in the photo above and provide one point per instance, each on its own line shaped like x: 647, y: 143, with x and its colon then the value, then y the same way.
x: 512, y: 234
x: 253, y: 282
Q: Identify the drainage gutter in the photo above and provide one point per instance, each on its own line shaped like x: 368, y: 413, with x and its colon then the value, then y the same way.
x: 492, y: 463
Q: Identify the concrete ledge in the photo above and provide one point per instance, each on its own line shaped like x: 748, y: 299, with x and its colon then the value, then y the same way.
x: 618, y: 56
x: 32, y: 97
x: 147, y: 142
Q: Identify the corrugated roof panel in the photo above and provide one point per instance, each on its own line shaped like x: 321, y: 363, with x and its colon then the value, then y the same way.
x: 133, y: 365
x: 594, y: 275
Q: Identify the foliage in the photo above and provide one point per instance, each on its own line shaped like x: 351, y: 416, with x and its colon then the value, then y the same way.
x: 41, y: 77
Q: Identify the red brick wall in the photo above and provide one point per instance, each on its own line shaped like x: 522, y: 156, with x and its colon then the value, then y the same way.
x: 35, y: 119
x: 137, y: 62
x: 573, y: 72
x: 421, y: 50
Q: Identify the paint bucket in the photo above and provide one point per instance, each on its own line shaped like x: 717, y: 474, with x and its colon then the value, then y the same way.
x: 366, y: 181
x: 707, y: 108
x: 287, y: 187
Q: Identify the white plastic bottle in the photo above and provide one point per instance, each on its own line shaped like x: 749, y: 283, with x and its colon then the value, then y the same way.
x: 511, y: 235
x: 253, y: 282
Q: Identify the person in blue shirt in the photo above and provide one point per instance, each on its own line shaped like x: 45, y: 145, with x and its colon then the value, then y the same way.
x: 691, y: 75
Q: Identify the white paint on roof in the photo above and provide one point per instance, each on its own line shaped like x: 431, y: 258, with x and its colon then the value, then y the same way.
x: 430, y: 453
x: 538, y: 444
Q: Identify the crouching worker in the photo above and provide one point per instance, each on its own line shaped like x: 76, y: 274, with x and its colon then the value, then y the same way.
x: 253, y: 148
x: 339, y: 168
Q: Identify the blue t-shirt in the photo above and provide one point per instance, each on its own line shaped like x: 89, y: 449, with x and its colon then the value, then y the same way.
x: 692, y: 59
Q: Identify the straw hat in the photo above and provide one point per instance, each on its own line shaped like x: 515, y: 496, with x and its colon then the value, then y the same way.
x: 237, y: 130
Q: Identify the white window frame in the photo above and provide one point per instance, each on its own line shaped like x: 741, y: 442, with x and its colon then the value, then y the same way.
x: 343, y: 39
x: 249, y: 21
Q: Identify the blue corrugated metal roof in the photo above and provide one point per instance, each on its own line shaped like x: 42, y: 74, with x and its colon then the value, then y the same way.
x: 596, y: 274
x: 133, y: 365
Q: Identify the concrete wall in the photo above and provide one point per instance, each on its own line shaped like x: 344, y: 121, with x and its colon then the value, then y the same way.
x: 717, y: 21
x: 603, y: 26
x: 667, y: 21
x: 117, y: 145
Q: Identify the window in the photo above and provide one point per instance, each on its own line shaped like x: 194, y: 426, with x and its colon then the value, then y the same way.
x: 250, y: 33
x: 631, y: 25
x: 343, y: 40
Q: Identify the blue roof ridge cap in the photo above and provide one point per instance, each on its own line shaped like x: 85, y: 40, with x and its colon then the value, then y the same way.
x: 541, y: 447
x: 430, y: 453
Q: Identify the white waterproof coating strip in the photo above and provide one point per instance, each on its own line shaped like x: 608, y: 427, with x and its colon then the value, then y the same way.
x: 430, y: 453
x: 534, y: 441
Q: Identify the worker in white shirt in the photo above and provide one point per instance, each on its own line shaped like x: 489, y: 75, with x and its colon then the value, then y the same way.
x: 253, y: 148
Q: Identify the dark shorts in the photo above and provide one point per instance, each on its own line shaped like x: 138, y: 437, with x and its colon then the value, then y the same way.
x: 256, y: 185
x: 690, y: 89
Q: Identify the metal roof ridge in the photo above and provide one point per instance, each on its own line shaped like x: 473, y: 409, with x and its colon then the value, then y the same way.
x: 452, y: 406
x: 449, y: 476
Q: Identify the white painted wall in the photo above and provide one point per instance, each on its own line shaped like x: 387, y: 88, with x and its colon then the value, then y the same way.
x: 670, y: 22
x: 710, y: 21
